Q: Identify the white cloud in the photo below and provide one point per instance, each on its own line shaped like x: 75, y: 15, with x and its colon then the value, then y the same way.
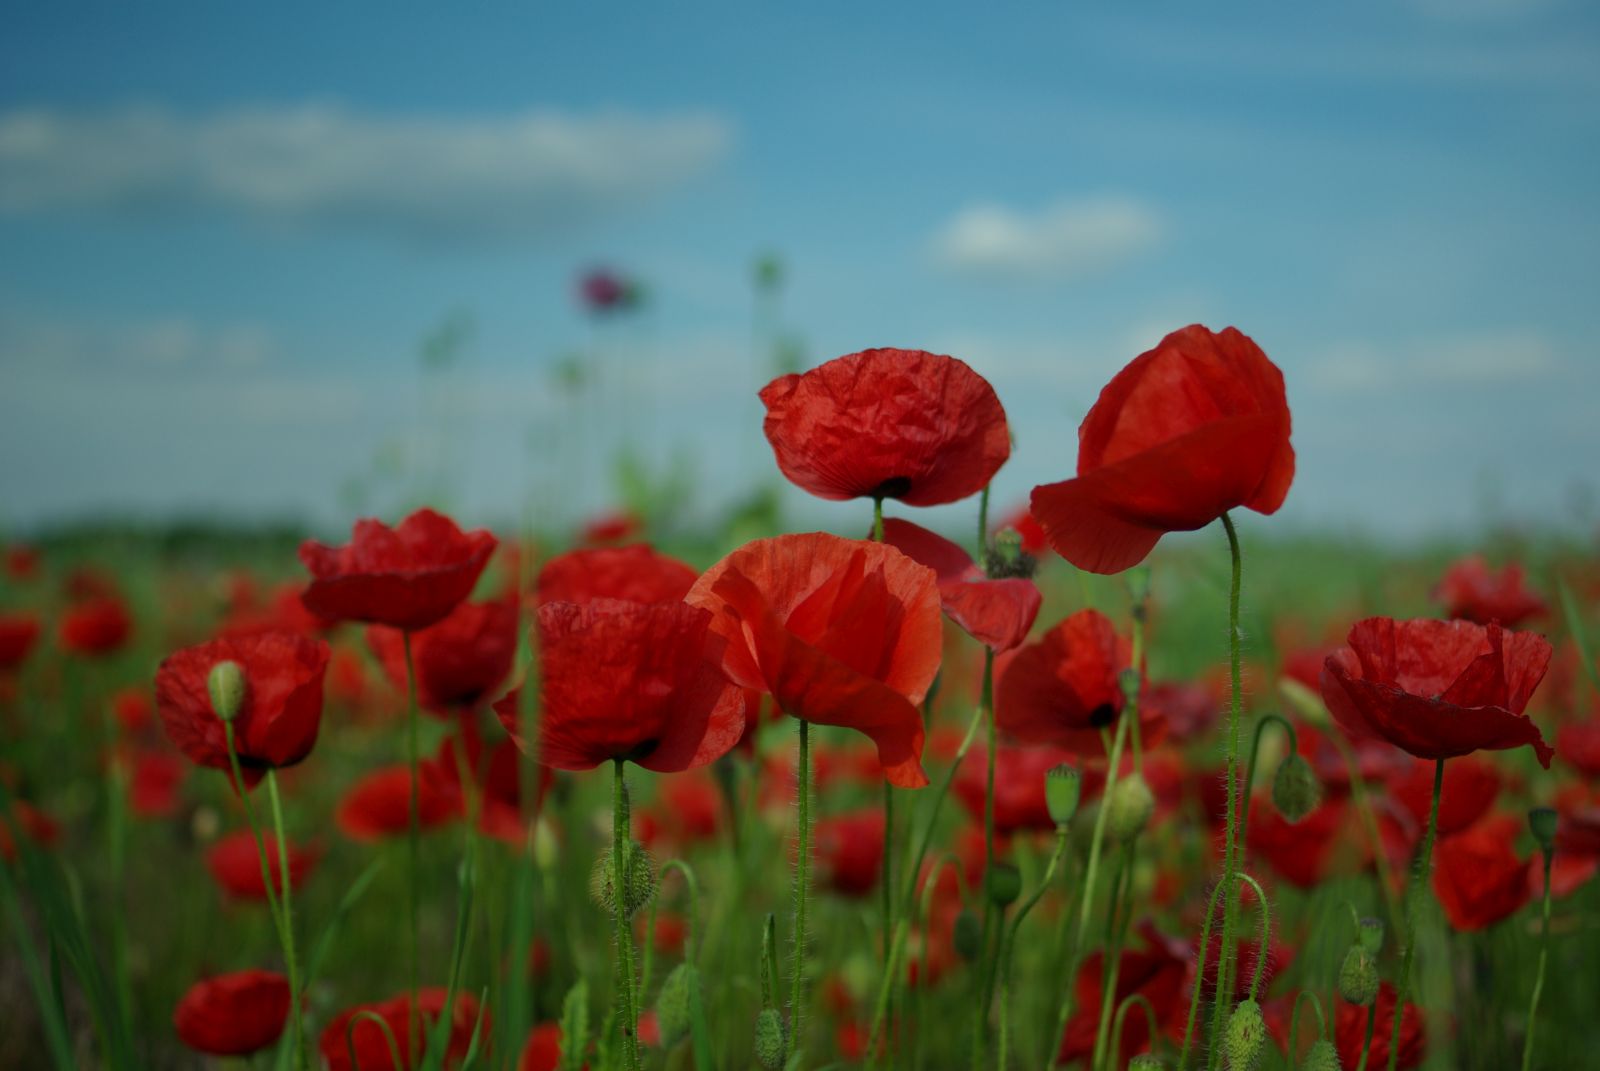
x: 1490, y: 358
x: 137, y: 346
x: 1066, y: 239
x: 419, y: 178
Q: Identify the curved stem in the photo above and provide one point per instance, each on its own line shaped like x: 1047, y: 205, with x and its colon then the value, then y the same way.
x: 1418, y: 884
x: 621, y: 842
x: 1008, y: 943
x: 284, y: 876
x: 413, y: 841
x: 1250, y: 767
x: 1122, y: 1013
x: 1194, y: 999
x: 1266, y: 934
x: 802, y: 870
x: 1231, y: 854
x: 1121, y: 888
x: 1544, y: 954
x: 1294, y: 1021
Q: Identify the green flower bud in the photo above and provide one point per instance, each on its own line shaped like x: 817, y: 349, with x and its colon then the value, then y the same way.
x: 1146, y: 1062
x: 1062, y: 787
x: 1370, y: 935
x: 226, y: 685
x: 1543, y: 821
x: 1003, y: 883
x: 1132, y: 803
x: 638, y: 875
x: 1296, y: 792
x: 968, y: 935
x: 1358, y: 977
x: 1245, y: 1037
x: 672, y: 1004
x: 1322, y: 1056
x: 769, y: 1039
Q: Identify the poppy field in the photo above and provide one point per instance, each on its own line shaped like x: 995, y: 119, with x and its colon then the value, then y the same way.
x: 1061, y: 789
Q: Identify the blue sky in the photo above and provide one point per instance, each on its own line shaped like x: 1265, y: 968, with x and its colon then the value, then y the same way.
x: 224, y: 235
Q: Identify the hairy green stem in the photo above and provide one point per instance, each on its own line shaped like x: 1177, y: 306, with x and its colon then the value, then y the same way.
x: 1294, y: 1021
x: 802, y: 874
x: 413, y: 844
x: 1009, y: 939
x: 1544, y: 955
x: 285, y: 900
x: 1419, y: 884
x: 1111, y: 968
x: 621, y: 843
x: 1231, y: 853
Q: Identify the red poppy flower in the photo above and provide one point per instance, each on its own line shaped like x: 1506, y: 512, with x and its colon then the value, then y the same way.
x: 1302, y: 853
x: 631, y: 681
x: 372, y: 1051
x: 1246, y: 955
x: 603, y: 290
x: 542, y: 1050
x: 1065, y: 687
x: 1350, y: 1031
x: 1019, y: 801
x: 235, y: 864
x: 1160, y: 971
x: 1020, y: 521
x: 379, y: 804
x: 611, y: 527
x: 22, y: 562
x: 277, y: 722
x: 17, y: 635
x: 848, y: 849
x: 97, y: 626
x: 1477, y: 876
x: 1470, y: 787
x: 133, y: 709
x: 1471, y: 592
x: 636, y: 573
x: 1577, y: 846
x: 407, y: 577
x: 1188, y: 709
x: 887, y: 423
x: 233, y: 1014
x: 837, y: 631
x: 687, y: 810
x: 1578, y: 742
x: 1187, y: 431
x: 495, y: 769
x: 153, y: 788
x: 284, y: 611
x: 1437, y: 689
x: 461, y: 661
x: 996, y: 613
x: 36, y: 827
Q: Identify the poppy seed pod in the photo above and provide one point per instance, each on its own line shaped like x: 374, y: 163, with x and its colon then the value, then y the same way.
x: 1322, y: 1056
x: 672, y: 1004
x: 1146, y: 1062
x: 1542, y: 821
x: 1063, y: 786
x: 1245, y: 1037
x: 1370, y: 935
x: 1358, y: 977
x: 1296, y: 792
x: 1132, y: 803
x: 967, y: 935
x: 225, y: 683
x: 1003, y: 882
x: 638, y: 875
x: 769, y: 1039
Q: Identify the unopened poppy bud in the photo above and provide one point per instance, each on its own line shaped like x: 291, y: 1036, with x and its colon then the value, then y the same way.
x: 1543, y: 820
x: 638, y: 875
x: 769, y: 1039
x: 1132, y: 803
x: 1146, y: 1062
x: 1246, y: 1034
x: 672, y: 1004
x: 226, y: 685
x: 1128, y: 680
x: 968, y: 935
x: 1139, y: 589
x: 1003, y: 882
x: 1369, y: 932
x: 1322, y: 1056
x: 1296, y: 792
x: 1358, y: 977
x: 1062, y: 787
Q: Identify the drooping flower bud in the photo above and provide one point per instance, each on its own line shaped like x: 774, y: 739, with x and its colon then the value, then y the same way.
x: 1322, y: 1056
x: 226, y: 685
x: 1132, y: 803
x: 769, y: 1039
x: 967, y: 935
x: 1543, y: 821
x: 1296, y: 792
x: 672, y: 1004
x: 1003, y: 882
x: 638, y: 876
x: 1245, y: 1036
x: 1358, y: 977
x: 1062, y: 787
x: 1369, y: 933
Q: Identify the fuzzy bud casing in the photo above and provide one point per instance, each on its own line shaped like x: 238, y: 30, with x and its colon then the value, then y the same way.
x: 1296, y: 792
x: 672, y: 1004
x: 1245, y: 1037
x: 226, y: 685
x: 1322, y: 1056
x: 769, y: 1039
x: 1358, y: 977
x: 1132, y: 803
x: 638, y: 875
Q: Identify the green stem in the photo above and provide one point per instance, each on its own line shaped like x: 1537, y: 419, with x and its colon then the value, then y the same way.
x: 621, y: 841
x: 413, y: 843
x: 1544, y: 954
x: 286, y: 878
x: 1122, y: 1014
x: 1194, y: 999
x: 1250, y: 767
x: 117, y: 855
x: 1358, y: 793
x: 1111, y: 968
x: 1366, y: 1042
x: 983, y: 525
x: 1009, y: 942
x: 938, y: 800
x: 1419, y: 882
x: 1231, y: 854
x: 1294, y: 1021
x: 802, y: 871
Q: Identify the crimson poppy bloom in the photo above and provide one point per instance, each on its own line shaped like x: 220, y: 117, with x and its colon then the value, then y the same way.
x: 996, y: 613
x: 233, y: 1014
x: 1247, y: 953
x: 372, y: 1045
x: 1302, y: 853
x: 1577, y: 845
x: 1437, y: 689
x: 283, y: 611
x: 636, y: 573
x: 17, y: 635
x: 277, y: 722
x: 1470, y: 591
x: 1161, y: 971
x: 542, y: 1050
x: 1031, y: 533
x: 494, y: 769
x: 1350, y: 1031
x: 22, y: 562
x: 133, y: 709
x: 1066, y: 686
x: 1477, y: 876
x: 379, y: 804
x: 94, y: 627
x: 1470, y: 787
x: 887, y: 423
x: 1019, y: 802
x: 848, y: 849
x: 407, y: 577
x: 36, y: 827
x: 153, y: 787
x: 235, y: 864
x: 687, y: 810
x: 837, y: 631
x: 611, y: 527
x: 624, y: 680
x: 1187, y: 431
x: 461, y: 661
x: 1578, y: 742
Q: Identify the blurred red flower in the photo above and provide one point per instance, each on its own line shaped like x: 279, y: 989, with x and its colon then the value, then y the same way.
x: 996, y: 613
x: 1020, y: 521
x: 848, y: 849
x: 22, y: 562
x: 636, y: 573
x: 98, y: 626
x: 153, y: 786
x: 36, y: 827
x: 407, y: 577
x: 611, y: 527
x: 379, y: 804
x: 887, y: 423
x: 277, y: 721
x: 1477, y: 876
x: 1246, y: 956
x: 1437, y: 689
x: 233, y: 1014
x: 1470, y: 786
x: 284, y: 611
x: 1471, y: 592
x: 133, y: 709
x: 1161, y: 972
x: 1578, y: 742
x: 495, y: 769
x: 1350, y: 1031
x: 1187, y: 431
x: 372, y: 1046
x: 1302, y: 853
x: 542, y: 1050
x: 838, y: 631
x: 461, y: 661
x: 1019, y: 802
x: 621, y: 680
x: 235, y: 864
x: 1577, y: 846
x: 18, y: 632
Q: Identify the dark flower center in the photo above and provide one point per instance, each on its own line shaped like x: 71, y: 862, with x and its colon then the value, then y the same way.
x: 1102, y: 715
x: 893, y: 487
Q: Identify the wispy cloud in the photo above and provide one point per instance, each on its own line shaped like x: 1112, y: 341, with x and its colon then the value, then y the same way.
x: 136, y: 346
x: 1490, y: 358
x: 420, y: 178
x: 1070, y: 238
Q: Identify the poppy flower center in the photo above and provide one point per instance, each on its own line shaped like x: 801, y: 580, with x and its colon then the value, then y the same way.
x: 893, y: 487
x: 642, y: 750
x: 1102, y: 715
